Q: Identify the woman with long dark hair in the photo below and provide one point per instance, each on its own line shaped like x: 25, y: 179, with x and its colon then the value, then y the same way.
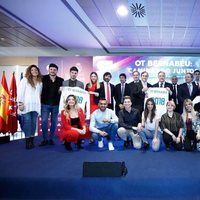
x: 149, y: 126
x: 29, y: 104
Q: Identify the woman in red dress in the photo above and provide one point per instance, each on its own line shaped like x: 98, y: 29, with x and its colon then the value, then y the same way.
x: 73, y: 127
x: 93, y: 88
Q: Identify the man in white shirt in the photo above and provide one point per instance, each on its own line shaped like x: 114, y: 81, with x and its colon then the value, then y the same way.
x: 104, y: 123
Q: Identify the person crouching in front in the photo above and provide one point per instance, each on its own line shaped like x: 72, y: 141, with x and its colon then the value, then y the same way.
x: 104, y: 123
x: 73, y: 127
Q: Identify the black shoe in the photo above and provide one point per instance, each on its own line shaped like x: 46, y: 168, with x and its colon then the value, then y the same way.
x: 43, y: 143
x: 79, y: 142
x: 146, y: 146
x: 126, y: 143
x: 27, y: 140
x: 68, y: 146
x: 31, y: 143
x: 51, y: 142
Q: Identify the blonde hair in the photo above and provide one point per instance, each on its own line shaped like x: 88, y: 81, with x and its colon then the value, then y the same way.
x: 97, y: 82
x: 171, y: 102
x: 193, y: 113
x: 67, y: 107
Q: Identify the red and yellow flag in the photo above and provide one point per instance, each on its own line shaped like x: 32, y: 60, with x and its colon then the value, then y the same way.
x: 12, y: 111
x: 4, y: 104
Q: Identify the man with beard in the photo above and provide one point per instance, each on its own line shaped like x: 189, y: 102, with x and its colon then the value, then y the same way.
x: 50, y: 99
x: 107, y: 90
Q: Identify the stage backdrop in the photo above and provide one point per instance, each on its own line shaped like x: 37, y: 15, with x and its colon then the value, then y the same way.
x: 152, y: 64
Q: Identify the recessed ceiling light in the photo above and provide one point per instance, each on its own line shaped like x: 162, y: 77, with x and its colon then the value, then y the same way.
x: 122, y: 10
x: 2, y: 39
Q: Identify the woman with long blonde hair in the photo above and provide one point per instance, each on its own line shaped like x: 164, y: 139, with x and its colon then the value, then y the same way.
x: 93, y: 87
x: 191, y: 126
x: 73, y: 127
x: 29, y: 104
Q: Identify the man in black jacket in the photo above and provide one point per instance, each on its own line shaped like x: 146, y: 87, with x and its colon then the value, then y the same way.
x: 50, y: 99
x: 107, y: 90
x: 122, y: 89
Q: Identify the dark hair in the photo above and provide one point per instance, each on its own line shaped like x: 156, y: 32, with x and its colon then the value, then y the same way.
x: 53, y: 65
x: 146, y: 111
x: 190, y: 74
x: 197, y: 71
x: 122, y: 74
x: 137, y: 72
x: 102, y: 99
x: 144, y: 73
x: 107, y: 73
x: 73, y: 68
x: 29, y: 76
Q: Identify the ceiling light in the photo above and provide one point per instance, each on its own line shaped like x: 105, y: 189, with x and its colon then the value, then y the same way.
x: 2, y: 39
x: 122, y: 11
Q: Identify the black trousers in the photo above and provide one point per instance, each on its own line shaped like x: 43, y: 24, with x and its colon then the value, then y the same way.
x: 169, y: 141
x: 190, y: 142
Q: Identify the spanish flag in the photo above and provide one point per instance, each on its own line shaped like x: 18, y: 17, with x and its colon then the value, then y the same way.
x: 4, y: 104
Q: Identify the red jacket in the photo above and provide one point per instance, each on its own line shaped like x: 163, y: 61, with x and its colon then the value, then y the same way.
x: 66, y: 123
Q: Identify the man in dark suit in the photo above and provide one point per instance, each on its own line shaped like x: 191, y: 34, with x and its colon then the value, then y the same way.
x: 107, y: 90
x: 197, y: 79
x: 73, y: 82
x: 138, y: 89
x: 121, y: 90
x: 163, y: 84
x: 145, y: 84
x: 187, y: 90
x: 175, y: 89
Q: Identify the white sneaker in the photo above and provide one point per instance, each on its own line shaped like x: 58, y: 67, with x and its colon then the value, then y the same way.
x: 110, y: 146
x: 100, y: 144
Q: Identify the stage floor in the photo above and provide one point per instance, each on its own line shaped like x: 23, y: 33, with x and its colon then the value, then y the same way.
x: 51, y: 172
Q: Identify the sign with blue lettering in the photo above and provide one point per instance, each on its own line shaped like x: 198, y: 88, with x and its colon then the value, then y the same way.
x: 160, y: 96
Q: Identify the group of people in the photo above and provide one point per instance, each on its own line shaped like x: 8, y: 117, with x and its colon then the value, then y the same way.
x: 134, y: 120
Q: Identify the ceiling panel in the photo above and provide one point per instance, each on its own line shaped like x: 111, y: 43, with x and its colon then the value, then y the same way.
x: 78, y: 24
x: 14, y: 34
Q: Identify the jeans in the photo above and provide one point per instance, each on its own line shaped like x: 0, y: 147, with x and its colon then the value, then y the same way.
x: 111, y: 129
x: 149, y: 134
x: 45, y: 111
x: 29, y: 123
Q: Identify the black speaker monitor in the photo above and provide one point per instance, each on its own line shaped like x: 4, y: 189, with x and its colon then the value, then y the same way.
x: 104, y: 169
